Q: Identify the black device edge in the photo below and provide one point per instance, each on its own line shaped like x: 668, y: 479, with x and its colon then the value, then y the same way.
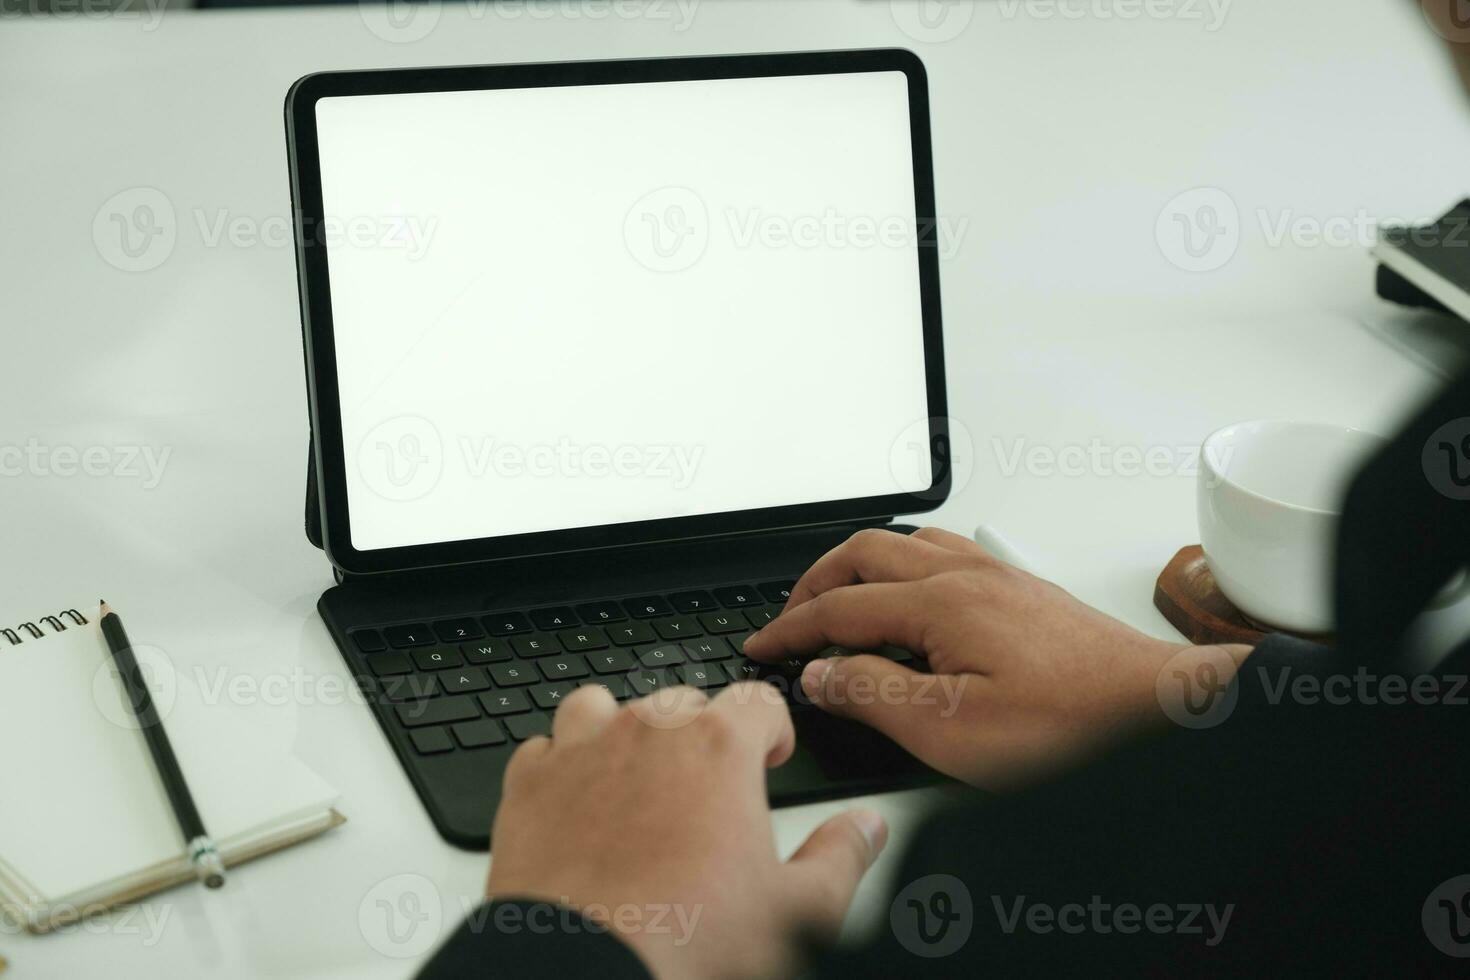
x: 326, y: 521
x: 475, y: 589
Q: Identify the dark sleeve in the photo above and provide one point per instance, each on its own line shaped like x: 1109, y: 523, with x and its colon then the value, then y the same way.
x: 1304, y: 831
x: 1405, y: 527
x: 519, y: 939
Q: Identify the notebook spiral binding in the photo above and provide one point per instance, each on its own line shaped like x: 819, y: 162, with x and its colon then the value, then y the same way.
x: 18, y: 635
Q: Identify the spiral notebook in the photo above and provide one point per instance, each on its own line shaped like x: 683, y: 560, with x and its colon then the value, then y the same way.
x: 84, y: 821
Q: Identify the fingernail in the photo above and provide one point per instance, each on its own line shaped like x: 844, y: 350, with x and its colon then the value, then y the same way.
x: 874, y: 828
x: 814, y: 677
x: 745, y: 644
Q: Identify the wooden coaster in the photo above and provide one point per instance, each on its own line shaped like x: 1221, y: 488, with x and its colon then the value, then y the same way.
x: 1193, y: 604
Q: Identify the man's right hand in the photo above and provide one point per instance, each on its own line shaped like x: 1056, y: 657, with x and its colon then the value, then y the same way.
x: 1028, y: 678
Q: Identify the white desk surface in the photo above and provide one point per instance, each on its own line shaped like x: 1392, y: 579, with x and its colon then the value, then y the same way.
x: 1061, y: 140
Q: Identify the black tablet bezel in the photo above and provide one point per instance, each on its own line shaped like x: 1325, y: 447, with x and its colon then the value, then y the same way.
x: 316, y: 310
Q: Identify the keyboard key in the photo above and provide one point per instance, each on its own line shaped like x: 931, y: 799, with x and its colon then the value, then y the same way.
x: 693, y: 602
x: 644, y: 681
x: 612, y: 661
x: 787, y: 685
x: 762, y: 616
x: 601, y: 612
x: 703, y: 675
x: 742, y: 670
x: 737, y: 641
x: 616, y: 685
x: 723, y: 622
x: 486, y: 651
x: 408, y: 687
x: 458, y: 630
x: 428, y: 741
x: 895, y: 654
x: 475, y: 734
x: 565, y: 667
x: 412, y: 635
x: 738, y: 595
x: 383, y: 664
x: 368, y: 641
x: 523, y: 727
x: 631, y: 633
x: 556, y: 618
x: 710, y: 648
x: 677, y: 628
x: 535, y: 645
x: 511, y: 702
x: 647, y: 606
x: 438, y: 711
x: 587, y: 638
x: 466, y: 680
x: 787, y: 667
x: 437, y: 658
x: 662, y: 656
x: 791, y: 690
x: 503, y: 624
x: 512, y: 675
x: 548, y: 696
x: 777, y: 592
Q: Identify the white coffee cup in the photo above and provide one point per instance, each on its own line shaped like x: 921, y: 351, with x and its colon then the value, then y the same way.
x: 1270, y: 494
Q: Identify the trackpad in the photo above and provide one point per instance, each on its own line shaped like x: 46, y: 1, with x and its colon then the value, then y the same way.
x: 847, y: 751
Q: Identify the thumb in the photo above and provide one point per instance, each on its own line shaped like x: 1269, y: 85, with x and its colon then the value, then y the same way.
x: 829, y: 865
x: 907, y: 706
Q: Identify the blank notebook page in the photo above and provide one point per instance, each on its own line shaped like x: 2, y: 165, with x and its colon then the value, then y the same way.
x: 81, y: 803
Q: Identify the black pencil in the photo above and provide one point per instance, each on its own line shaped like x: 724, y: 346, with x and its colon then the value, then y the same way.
x: 201, y: 850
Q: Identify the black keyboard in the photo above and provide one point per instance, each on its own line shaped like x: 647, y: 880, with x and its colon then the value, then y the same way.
x: 494, y: 678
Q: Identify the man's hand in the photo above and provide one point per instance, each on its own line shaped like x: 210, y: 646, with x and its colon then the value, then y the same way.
x: 1029, y: 678
x: 653, y: 820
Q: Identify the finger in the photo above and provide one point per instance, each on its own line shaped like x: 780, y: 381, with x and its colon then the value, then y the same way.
x: 826, y: 869
x: 857, y: 616
x: 761, y: 719
x: 909, y: 707
x: 583, y: 715
x: 950, y: 541
x: 524, y: 760
x: 872, y: 556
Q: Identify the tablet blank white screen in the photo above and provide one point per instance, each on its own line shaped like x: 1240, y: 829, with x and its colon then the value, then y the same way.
x: 576, y: 306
